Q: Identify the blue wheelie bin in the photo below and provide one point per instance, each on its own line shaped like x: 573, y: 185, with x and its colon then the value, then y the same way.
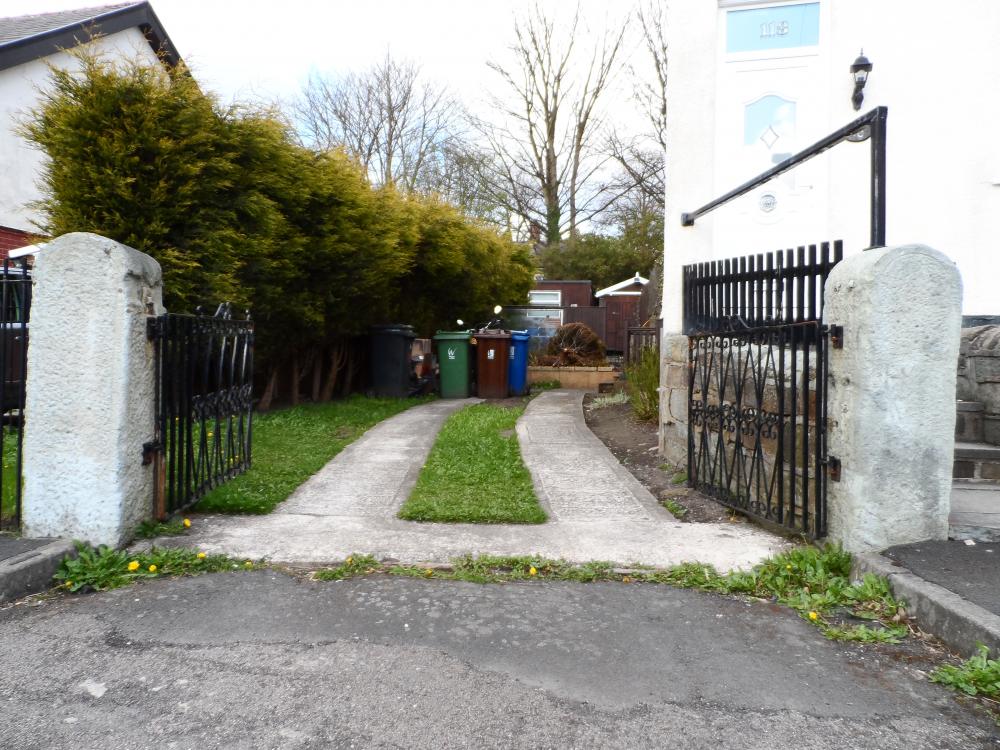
x: 517, y: 363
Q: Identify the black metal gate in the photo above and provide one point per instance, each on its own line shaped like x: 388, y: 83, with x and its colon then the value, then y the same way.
x: 204, y: 404
x: 15, y: 304
x: 757, y: 384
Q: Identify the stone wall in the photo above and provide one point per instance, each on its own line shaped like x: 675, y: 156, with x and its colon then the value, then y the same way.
x: 978, y: 385
x: 674, y: 398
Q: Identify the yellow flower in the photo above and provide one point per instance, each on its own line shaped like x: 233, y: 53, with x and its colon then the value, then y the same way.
x: 152, y: 568
x: 532, y: 571
x: 814, y: 616
x: 626, y: 579
x: 68, y: 584
x: 349, y: 560
x: 788, y: 567
x: 187, y: 523
x: 248, y: 564
x: 134, y: 565
x: 201, y: 555
x: 428, y: 572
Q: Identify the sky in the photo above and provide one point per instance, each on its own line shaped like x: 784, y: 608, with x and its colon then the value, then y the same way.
x: 257, y: 49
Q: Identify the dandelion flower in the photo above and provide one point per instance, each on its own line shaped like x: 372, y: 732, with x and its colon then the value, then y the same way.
x: 134, y: 565
x: 248, y: 564
x: 626, y: 579
x: 68, y: 584
x: 187, y: 523
x: 152, y: 568
x: 350, y: 560
x: 428, y: 572
x: 532, y: 571
x: 814, y: 616
x: 201, y: 555
x: 788, y: 567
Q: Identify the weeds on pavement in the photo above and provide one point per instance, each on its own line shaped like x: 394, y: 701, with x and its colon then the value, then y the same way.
x: 103, y: 568
x: 976, y: 676
x: 815, y: 583
x: 153, y: 529
x: 676, y: 509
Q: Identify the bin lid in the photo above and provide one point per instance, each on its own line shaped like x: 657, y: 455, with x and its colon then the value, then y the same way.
x: 520, y: 335
x: 452, y: 336
x: 492, y: 334
x: 398, y: 328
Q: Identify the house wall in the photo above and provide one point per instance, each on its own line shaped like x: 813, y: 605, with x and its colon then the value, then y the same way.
x: 20, y: 164
x: 943, y: 165
x: 12, y: 239
x: 579, y: 293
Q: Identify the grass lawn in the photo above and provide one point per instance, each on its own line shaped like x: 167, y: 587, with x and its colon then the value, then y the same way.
x: 474, y: 473
x: 290, y: 445
x: 8, y: 491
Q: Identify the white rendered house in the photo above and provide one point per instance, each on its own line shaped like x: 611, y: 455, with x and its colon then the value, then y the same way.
x: 28, y: 46
x: 752, y: 83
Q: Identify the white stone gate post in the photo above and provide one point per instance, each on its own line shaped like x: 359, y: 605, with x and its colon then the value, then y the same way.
x: 90, y: 390
x: 891, y: 401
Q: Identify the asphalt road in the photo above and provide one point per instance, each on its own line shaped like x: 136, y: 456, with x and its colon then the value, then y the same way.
x: 264, y: 660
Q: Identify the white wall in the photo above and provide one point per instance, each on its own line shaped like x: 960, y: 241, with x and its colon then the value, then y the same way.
x: 20, y: 164
x: 943, y: 157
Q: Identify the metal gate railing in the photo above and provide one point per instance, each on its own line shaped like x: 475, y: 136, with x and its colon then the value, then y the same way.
x: 15, y: 304
x: 204, y: 405
x: 757, y: 384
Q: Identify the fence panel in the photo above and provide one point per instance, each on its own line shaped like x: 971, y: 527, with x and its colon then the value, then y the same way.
x: 639, y: 339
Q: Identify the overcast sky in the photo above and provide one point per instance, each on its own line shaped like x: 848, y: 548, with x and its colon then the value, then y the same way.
x: 266, y: 48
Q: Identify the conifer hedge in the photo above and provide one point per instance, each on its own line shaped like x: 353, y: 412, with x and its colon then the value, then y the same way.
x: 235, y: 210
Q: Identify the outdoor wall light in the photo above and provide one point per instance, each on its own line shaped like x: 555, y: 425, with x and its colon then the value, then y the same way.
x: 860, y: 69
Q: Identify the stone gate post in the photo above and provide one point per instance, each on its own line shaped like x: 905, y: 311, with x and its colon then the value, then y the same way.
x: 891, y: 401
x: 90, y: 390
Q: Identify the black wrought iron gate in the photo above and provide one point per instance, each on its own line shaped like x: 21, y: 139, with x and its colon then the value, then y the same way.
x: 757, y: 384
x: 15, y: 304
x: 204, y: 404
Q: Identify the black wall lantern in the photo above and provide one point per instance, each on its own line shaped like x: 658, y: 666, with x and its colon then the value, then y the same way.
x: 860, y: 69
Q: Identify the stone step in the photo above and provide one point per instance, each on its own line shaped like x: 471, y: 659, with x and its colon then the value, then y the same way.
x: 969, y: 420
x: 975, y: 511
x: 977, y: 461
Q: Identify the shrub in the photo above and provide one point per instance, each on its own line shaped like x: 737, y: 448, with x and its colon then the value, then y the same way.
x: 574, y: 344
x: 642, y: 379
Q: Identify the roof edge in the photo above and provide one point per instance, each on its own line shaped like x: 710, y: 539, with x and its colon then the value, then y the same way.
x: 26, y: 49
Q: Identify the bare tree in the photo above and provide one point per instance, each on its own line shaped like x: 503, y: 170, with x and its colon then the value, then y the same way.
x: 641, y: 158
x: 544, y: 166
x: 396, y: 125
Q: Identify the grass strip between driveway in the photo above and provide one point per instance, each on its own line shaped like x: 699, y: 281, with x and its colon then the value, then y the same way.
x: 474, y: 473
x: 290, y: 445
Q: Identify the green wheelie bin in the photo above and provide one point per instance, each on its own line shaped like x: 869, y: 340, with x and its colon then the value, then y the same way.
x: 453, y: 358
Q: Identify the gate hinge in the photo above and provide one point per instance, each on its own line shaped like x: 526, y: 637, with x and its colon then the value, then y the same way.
x: 154, y: 327
x: 149, y: 450
x: 833, y: 468
x: 837, y: 337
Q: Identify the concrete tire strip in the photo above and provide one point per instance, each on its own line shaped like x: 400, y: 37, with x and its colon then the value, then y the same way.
x: 597, y: 509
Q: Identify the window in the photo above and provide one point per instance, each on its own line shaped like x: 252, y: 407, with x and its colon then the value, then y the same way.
x: 544, y: 297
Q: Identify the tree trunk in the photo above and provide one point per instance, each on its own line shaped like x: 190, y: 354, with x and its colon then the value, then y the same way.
x: 337, y: 355
x: 296, y: 375
x: 268, y: 395
x: 317, y: 374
